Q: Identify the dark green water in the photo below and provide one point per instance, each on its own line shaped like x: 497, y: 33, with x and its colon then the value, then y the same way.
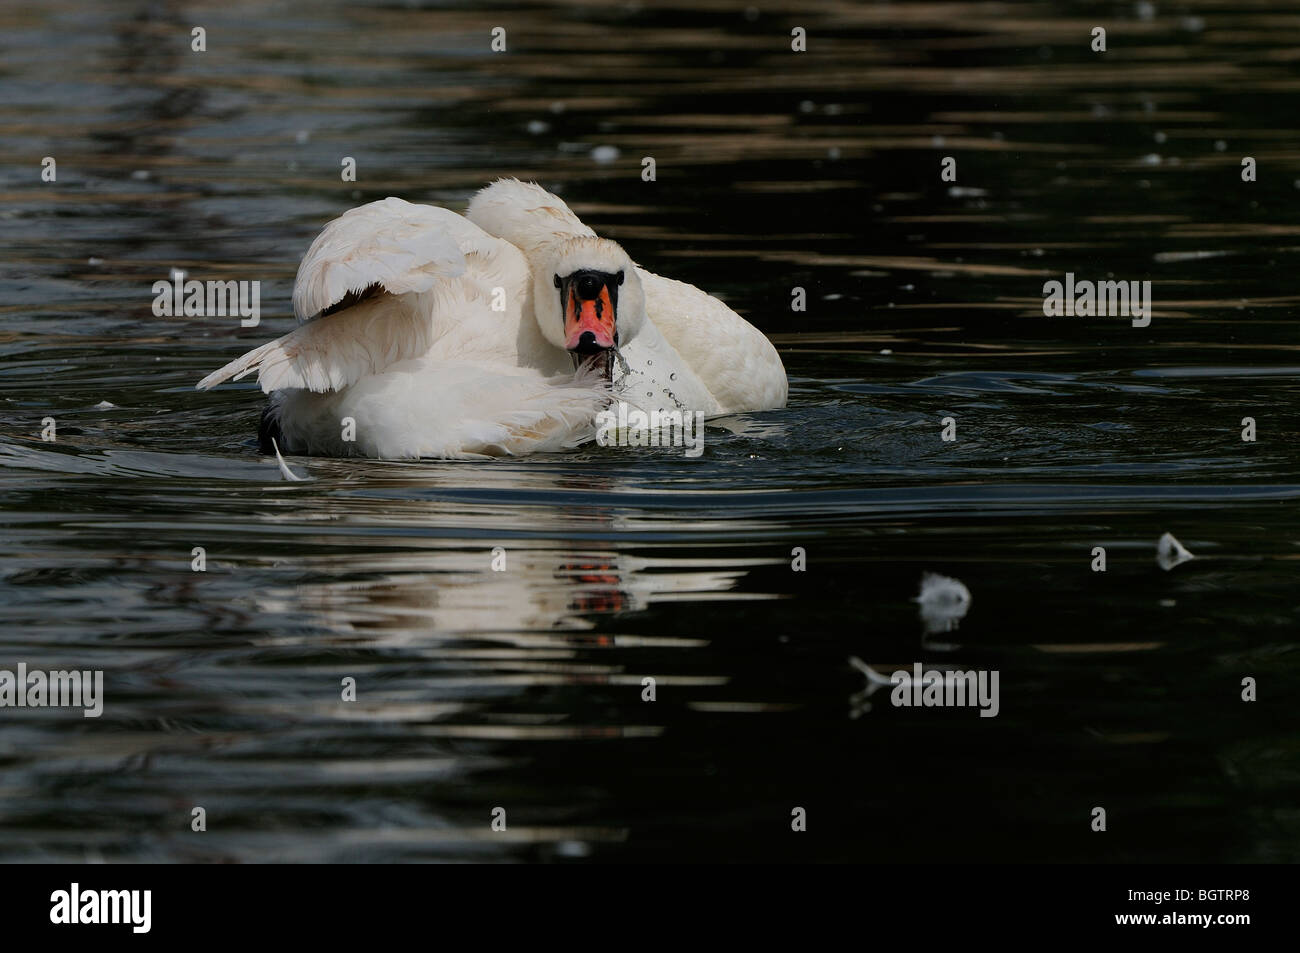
x: 522, y: 689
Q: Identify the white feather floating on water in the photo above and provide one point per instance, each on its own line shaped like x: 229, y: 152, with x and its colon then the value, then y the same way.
x: 858, y: 701
x: 944, y: 602
x: 284, y: 467
x: 1170, y: 552
x: 873, y: 677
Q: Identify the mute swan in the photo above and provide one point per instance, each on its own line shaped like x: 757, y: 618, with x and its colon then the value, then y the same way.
x: 427, y: 334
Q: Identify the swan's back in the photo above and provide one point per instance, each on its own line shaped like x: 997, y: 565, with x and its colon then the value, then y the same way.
x: 524, y: 214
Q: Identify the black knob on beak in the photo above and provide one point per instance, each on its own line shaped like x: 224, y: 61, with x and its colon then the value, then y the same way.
x: 589, y: 287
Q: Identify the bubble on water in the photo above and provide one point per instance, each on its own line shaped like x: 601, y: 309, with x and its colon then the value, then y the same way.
x: 1220, y: 145
x: 672, y: 376
x: 605, y: 153
x: 1161, y: 137
x: 536, y: 127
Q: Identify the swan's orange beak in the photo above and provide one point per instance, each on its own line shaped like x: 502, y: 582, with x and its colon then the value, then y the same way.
x: 588, y: 322
x: 590, y: 303
x: 590, y: 300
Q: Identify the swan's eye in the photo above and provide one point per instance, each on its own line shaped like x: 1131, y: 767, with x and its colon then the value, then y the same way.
x: 557, y: 281
x: 620, y: 276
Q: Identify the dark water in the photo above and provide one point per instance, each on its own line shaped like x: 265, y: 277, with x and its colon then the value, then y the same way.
x: 522, y: 689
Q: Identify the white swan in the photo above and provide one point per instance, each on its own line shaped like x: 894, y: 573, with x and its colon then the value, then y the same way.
x: 502, y: 332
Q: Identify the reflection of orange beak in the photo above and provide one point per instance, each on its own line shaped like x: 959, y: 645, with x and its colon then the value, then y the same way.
x: 600, y: 583
x: 588, y: 323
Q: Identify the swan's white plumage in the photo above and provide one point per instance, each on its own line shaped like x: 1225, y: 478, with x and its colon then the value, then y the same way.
x: 330, y: 353
x: 444, y: 341
x: 483, y: 411
x: 391, y: 243
x: 525, y: 215
x: 736, y: 361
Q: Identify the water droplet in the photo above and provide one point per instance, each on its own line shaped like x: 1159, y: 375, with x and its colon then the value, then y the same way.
x: 672, y: 377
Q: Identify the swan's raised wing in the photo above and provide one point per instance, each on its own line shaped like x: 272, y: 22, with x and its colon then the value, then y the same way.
x: 358, y: 295
x: 399, y: 247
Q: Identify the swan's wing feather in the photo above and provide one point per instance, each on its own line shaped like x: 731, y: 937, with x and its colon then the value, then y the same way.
x: 337, y: 350
x: 400, y: 247
x: 362, y: 295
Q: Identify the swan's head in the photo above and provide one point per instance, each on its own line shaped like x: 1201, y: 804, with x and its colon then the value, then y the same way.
x: 588, y: 300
